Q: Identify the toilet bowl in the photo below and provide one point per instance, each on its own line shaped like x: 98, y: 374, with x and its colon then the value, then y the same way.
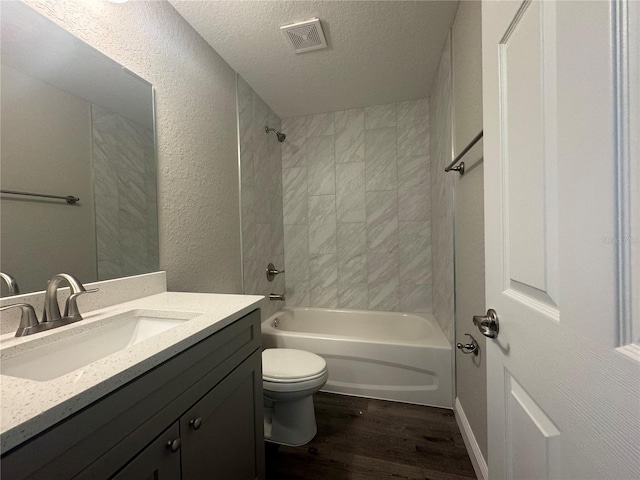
x: 289, y: 380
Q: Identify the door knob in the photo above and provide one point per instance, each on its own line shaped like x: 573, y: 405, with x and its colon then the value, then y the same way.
x: 487, y: 324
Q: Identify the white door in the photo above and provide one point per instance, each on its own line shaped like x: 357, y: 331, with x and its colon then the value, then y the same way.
x: 560, y: 95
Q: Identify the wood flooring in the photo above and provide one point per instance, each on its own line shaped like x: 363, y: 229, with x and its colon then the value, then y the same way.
x: 360, y: 438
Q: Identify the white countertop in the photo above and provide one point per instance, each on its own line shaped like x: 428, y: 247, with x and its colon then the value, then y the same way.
x: 28, y: 407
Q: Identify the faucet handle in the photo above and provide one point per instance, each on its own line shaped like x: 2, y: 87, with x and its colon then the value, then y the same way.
x: 28, y: 317
x: 272, y: 271
x: 71, y: 305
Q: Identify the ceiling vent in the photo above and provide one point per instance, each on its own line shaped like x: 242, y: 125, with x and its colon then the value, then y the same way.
x: 305, y: 36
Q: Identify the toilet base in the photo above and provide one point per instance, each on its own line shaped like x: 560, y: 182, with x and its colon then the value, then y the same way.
x: 289, y: 423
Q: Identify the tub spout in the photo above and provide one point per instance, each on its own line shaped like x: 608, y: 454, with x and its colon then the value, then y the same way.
x: 276, y: 296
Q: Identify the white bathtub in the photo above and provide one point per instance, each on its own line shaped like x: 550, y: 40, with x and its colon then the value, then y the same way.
x: 386, y: 355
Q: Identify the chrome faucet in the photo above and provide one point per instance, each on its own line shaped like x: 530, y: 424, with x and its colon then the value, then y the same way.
x: 28, y: 319
x: 51, y: 317
x: 11, y: 283
x: 52, y: 310
x: 276, y: 296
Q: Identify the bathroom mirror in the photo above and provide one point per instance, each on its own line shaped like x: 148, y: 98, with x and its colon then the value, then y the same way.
x: 73, y: 123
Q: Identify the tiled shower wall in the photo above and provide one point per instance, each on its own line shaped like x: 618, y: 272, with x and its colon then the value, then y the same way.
x: 442, y: 195
x: 125, y: 195
x: 356, y: 191
x: 261, y: 196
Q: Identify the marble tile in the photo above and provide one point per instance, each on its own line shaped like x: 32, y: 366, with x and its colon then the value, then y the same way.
x: 264, y: 243
x: 109, y: 269
x: 415, y: 252
x: 353, y: 296
x: 260, y: 117
x: 274, y: 167
x: 352, y: 238
x: 297, y: 294
x: 324, y: 297
x: 320, y: 125
x: 384, y: 296
x: 261, y: 205
x: 262, y: 200
x: 382, y: 221
x: 415, y: 298
x: 321, y: 166
x: 349, y: 136
x: 107, y: 228
x: 132, y: 186
x: 442, y: 197
x: 322, y: 224
x: 250, y: 273
x: 133, y: 214
x: 414, y: 171
x: 358, y: 191
x: 104, y: 168
x: 294, y: 190
x: 294, y: 148
x: 380, y: 159
x: 245, y: 113
x: 266, y: 173
x: 151, y: 177
x: 277, y: 226
x: 134, y: 250
x: 296, y: 256
x: 323, y: 271
x: 382, y: 267
x: 413, y: 128
x: 352, y: 268
x: 414, y: 203
x: 380, y: 116
x: 248, y: 223
x: 153, y: 253
x: 350, y: 192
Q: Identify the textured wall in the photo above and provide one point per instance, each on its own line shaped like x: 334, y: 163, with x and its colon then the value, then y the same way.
x: 471, y: 374
x: 198, y: 200
x: 35, y: 117
x: 442, y: 196
x: 260, y: 167
x: 124, y: 175
x: 357, y: 208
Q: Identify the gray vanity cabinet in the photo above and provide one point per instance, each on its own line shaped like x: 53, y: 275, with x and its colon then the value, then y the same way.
x: 196, y: 416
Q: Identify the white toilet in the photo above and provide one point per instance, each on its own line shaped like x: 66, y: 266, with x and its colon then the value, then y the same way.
x: 289, y: 380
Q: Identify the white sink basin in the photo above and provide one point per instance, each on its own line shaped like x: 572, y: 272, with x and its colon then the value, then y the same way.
x: 79, y: 347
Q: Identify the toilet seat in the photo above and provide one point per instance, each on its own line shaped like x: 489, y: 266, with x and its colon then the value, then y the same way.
x: 310, y: 384
x: 286, y: 365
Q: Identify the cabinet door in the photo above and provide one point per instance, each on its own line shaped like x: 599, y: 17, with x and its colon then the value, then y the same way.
x: 222, y: 435
x: 159, y: 461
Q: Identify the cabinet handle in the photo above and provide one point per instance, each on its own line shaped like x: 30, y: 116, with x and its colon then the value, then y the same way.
x: 173, y: 445
x: 196, y: 423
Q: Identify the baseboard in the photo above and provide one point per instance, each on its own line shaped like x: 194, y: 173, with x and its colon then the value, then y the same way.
x: 478, y: 461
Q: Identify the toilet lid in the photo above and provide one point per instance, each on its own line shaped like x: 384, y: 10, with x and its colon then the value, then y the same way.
x: 285, y: 364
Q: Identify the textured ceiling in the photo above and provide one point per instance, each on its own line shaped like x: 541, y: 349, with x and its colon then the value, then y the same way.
x: 379, y: 51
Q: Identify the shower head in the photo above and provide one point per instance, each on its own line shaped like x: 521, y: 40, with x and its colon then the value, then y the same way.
x: 281, y: 136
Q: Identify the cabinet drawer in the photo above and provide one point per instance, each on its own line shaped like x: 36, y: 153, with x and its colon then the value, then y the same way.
x: 125, y: 421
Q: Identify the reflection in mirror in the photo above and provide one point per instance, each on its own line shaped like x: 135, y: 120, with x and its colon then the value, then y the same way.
x: 74, y: 122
